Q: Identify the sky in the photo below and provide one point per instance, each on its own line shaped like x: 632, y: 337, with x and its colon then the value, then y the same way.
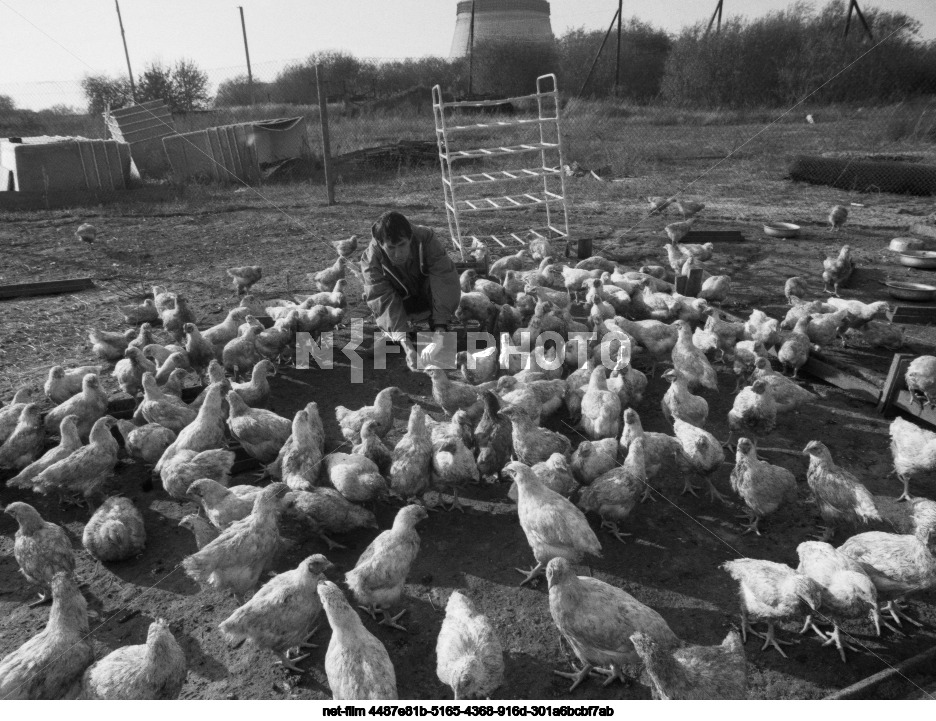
x: 49, y: 45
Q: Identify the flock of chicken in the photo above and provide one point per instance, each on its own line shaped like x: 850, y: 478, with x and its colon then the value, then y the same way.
x: 492, y: 432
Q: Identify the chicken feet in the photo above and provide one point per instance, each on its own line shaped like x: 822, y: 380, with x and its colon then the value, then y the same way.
x: 290, y: 663
x: 391, y: 621
x: 771, y: 640
x: 538, y: 570
x: 612, y: 527
x: 893, y: 609
x: 576, y: 676
x: 332, y: 545
x: 810, y: 624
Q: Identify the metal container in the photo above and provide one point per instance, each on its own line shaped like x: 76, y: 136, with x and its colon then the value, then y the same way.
x: 782, y: 230
x: 919, y: 258
x: 902, y: 245
x: 910, y: 291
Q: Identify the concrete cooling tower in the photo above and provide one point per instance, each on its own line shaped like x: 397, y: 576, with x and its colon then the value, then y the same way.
x: 501, y: 20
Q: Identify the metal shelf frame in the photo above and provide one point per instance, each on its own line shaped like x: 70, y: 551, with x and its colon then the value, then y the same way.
x: 466, y: 193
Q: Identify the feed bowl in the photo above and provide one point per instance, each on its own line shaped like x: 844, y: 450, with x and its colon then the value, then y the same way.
x: 910, y: 291
x: 902, y: 245
x: 782, y: 230
x: 918, y: 258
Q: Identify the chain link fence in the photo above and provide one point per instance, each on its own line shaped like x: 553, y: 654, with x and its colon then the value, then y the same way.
x: 380, y: 125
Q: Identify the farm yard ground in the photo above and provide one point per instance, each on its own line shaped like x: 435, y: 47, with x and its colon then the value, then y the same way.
x: 670, y: 563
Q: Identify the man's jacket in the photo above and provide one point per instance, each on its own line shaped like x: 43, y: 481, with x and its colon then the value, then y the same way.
x: 427, y: 271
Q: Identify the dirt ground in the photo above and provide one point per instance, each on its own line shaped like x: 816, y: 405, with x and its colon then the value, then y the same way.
x: 670, y: 563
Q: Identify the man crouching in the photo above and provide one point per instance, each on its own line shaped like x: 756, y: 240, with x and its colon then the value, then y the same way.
x: 408, y: 279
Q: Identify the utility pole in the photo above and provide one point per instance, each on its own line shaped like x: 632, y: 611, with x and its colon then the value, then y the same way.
x: 123, y: 35
x: 617, y: 64
x: 470, y: 47
x: 598, y: 54
x: 247, y: 53
x: 716, y: 15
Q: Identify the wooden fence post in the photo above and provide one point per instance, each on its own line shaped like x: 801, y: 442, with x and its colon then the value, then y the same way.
x: 326, y: 148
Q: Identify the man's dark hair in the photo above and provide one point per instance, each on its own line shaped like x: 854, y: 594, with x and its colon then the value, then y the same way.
x: 392, y: 228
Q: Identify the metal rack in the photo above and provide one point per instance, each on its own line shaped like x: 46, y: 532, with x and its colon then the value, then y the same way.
x: 540, y: 190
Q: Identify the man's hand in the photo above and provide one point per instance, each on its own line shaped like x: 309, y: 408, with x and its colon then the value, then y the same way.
x: 412, y: 357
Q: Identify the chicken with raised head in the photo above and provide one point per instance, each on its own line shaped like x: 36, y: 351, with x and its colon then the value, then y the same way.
x: 704, y: 455
x: 115, y: 532
x: 837, y: 217
x: 188, y: 466
x: 795, y: 349
x: 62, y: 384
x: 381, y: 413
x: 176, y: 360
x: 469, y: 656
x: 771, y: 592
x: 88, y: 406
x: 262, y: 433
x: 355, y: 477
x: 325, y: 279
x: 679, y: 402
x: 625, y: 380
x: 372, y: 447
x: 235, y: 560
x: 921, y: 379
x: 24, y: 445
x: 898, y: 564
x: 175, y: 317
x: 110, y: 346
x: 841, y: 497
x: 49, y: 665
x: 786, y: 393
x: 203, y: 531
x: 677, y: 231
x: 598, y: 619
x: 847, y: 590
x: 753, y: 413
x: 795, y: 287
x: 221, y: 334
x: 10, y: 413
x: 378, y: 576
x: 69, y: 443
x: 453, y: 396
x: 299, y: 462
x: 144, y: 338
x: 553, y: 526
x: 41, y: 548
x: 453, y: 463
x: 493, y: 438
x: 763, y: 487
x: 838, y: 270
x: 357, y: 665
x: 283, y: 613
x: 152, y: 671
x: 913, y: 449
x: 613, y: 494
x: 411, y: 458
x: 688, y: 672
x: 163, y: 409
x: 531, y: 443
x: 130, y: 369
x: 244, y: 277
x: 556, y: 475
x: 87, y: 469
x: 346, y: 247
x: 691, y: 362
x: 240, y: 354
x: 660, y: 449
x: 601, y: 408
x: 516, y: 261
x: 689, y: 208
x: 222, y: 507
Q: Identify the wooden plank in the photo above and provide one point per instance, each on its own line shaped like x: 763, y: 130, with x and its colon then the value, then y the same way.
x: 912, y: 314
x: 40, y: 200
x: 694, y: 282
x: 909, y: 405
x: 925, y: 229
x: 901, y: 669
x: 48, y: 287
x: 713, y: 236
x: 892, y: 383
